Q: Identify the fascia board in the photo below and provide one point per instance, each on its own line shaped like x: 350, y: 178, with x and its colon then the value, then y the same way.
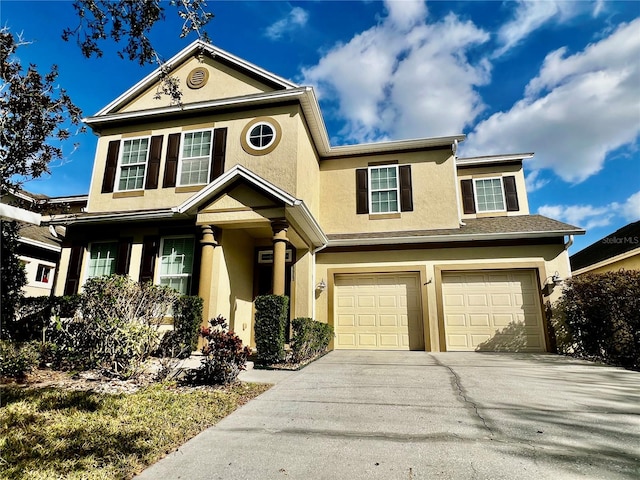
x: 247, y: 100
x: 393, y: 146
x: 450, y: 238
x: 9, y: 212
x: 180, y: 57
x: 493, y: 159
x: 38, y: 244
x: 309, y: 225
x: 111, y: 217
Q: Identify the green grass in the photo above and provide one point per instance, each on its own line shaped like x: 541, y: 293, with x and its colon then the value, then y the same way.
x: 53, y: 433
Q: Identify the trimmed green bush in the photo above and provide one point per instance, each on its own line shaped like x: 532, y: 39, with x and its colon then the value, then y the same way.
x: 310, y: 338
x: 12, y: 279
x: 18, y: 359
x: 598, y: 317
x: 187, y: 319
x: 270, y: 327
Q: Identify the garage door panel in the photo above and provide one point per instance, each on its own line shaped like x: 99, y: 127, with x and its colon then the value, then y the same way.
x: 485, y: 310
x: 346, y: 320
x: 386, y: 308
x: 346, y: 301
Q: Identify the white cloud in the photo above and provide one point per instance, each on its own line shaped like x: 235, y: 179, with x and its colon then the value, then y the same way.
x: 577, y: 110
x: 530, y: 16
x: 534, y: 183
x: 297, y: 18
x: 631, y: 208
x: 588, y: 216
x: 405, y: 77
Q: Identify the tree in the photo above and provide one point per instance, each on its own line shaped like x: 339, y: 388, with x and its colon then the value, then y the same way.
x: 12, y: 277
x: 34, y: 116
x: 129, y: 22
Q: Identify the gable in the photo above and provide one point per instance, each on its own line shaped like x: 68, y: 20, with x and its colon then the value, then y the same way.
x: 214, y: 80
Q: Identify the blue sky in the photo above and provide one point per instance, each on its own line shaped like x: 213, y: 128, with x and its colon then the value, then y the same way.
x: 558, y: 78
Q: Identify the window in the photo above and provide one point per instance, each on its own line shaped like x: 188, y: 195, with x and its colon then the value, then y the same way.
x: 383, y: 188
x: 489, y: 194
x: 102, y: 259
x: 196, y: 158
x: 133, y: 163
x: 43, y: 273
x: 176, y: 263
x: 261, y: 136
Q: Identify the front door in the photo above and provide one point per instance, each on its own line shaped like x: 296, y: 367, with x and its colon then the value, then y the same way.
x: 263, y: 276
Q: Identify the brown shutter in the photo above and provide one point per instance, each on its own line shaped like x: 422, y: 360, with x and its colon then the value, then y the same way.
x: 362, y: 191
x: 406, y: 192
x: 468, y: 202
x: 218, y: 151
x: 73, y: 273
x: 111, y: 166
x: 150, y: 247
x: 171, y: 163
x: 511, y: 194
x: 123, y: 256
x: 153, y: 165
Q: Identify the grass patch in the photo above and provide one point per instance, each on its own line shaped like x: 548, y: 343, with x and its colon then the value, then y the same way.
x: 53, y: 433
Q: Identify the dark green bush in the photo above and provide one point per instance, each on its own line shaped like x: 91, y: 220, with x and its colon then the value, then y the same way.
x: 187, y: 319
x: 270, y: 327
x: 12, y: 278
x: 598, y: 317
x: 33, y: 316
x: 18, y: 359
x: 310, y: 338
x: 224, y: 355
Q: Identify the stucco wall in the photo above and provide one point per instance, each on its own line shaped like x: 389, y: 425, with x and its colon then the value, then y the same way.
x: 434, y: 194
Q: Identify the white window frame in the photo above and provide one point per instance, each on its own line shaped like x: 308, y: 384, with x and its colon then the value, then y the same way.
x: 160, y: 276
x: 87, y: 275
x: 121, y: 166
x: 266, y: 256
x: 475, y: 194
x: 371, y: 191
x: 274, y: 131
x: 180, y: 158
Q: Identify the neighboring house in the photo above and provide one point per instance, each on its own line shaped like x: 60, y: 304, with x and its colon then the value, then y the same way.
x: 619, y: 250
x: 39, y: 246
x: 236, y: 192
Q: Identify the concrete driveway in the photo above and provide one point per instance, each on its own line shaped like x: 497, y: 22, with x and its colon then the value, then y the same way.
x: 417, y: 415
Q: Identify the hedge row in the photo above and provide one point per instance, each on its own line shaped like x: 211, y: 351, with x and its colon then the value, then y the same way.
x: 598, y: 318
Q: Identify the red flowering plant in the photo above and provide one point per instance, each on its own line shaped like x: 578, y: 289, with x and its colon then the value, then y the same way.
x: 224, y: 355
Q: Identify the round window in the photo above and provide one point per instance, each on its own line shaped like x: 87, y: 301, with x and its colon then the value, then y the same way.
x: 261, y: 136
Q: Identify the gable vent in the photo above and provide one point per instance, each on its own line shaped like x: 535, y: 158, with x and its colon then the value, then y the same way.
x: 197, y: 78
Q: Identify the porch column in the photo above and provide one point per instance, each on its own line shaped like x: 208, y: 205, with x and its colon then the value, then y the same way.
x: 208, y: 242
x: 280, y: 241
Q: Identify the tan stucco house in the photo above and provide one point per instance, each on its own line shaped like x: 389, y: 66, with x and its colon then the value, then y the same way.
x: 617, y: 251
x: 237, y: 192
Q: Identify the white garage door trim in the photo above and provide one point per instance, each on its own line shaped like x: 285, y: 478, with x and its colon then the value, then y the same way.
x: 492, y: 310
x: 378, y: 311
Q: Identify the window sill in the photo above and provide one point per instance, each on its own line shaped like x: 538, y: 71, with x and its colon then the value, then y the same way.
x: 128, y: 194
x: 384, y: 216
x: 190, y: 188
x: 499, y: 213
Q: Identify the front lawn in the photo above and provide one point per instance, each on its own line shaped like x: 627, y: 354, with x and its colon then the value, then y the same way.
x: 54, y: 433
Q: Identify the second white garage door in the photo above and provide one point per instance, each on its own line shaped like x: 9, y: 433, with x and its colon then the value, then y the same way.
x: 494, y: 310
x: 378, y: 311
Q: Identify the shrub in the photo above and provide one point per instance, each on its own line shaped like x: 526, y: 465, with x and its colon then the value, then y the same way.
x: 225, y: 357
x: 270, y: 327
x: 32, y: 318
x: 116, y: 326
x: 17, y: 359
x: 187, y: 319
x: 310, y: 338
x: 598, y: 317
x: 12, y: 278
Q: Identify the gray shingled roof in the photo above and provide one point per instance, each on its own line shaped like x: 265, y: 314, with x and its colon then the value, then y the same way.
x: 525, y: 224
x: 621, y: 241
x: 41, y: 234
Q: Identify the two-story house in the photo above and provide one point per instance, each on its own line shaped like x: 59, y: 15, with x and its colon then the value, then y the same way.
x: 237, y: 192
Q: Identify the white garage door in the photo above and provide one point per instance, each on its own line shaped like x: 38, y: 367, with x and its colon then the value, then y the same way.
x: 495, y: 310
x: 378, y: 311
